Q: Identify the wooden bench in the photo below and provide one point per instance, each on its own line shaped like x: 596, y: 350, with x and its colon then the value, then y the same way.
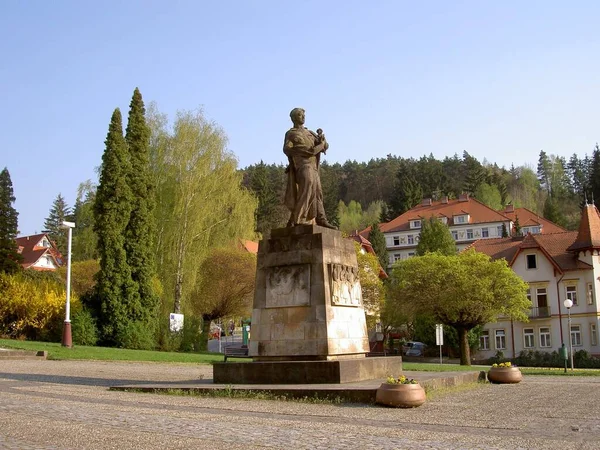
x: 235, y: 351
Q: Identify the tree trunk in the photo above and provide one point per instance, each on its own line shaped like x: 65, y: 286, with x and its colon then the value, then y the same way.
x: 205, y: 334
x: 465, y: 351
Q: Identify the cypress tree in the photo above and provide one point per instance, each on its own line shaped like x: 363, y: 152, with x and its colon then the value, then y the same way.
x: 9, y: 256
x: 59, y: 212
x: 115, y: 288
x: 377, y: 239
x: 138, y: 233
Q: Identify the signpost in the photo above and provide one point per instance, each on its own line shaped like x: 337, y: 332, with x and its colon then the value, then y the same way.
x: 439, y: 338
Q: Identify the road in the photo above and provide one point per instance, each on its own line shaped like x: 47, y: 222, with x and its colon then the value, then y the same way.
x: 66, y: 404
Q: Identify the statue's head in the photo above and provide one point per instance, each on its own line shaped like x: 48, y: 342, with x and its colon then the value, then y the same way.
x: 297, y: 116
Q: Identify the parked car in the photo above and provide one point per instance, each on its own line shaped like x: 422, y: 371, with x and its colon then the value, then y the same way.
x: 413, y: 348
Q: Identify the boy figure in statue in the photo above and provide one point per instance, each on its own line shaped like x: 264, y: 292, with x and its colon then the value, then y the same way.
x: 303, y: 195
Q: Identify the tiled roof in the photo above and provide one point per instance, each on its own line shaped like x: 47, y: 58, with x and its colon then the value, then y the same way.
x: 554, y: 245
x: 528, y: 218
x: 588, y: 236
x: 477, y: 211
x: 31, y: 252
x: 249, y: 246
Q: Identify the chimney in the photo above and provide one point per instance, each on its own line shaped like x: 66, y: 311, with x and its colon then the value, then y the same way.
x: 510, y: 208
x: 463, y: 197
x: 426, y: 202
x: 445, y: 200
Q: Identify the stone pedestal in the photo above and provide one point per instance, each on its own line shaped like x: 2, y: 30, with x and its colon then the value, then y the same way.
x: 308, y: 321
x: 307, y: 303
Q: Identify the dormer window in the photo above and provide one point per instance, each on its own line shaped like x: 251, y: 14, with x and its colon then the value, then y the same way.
x: 463, y: 218
x: 415, y: 224
x: 444, y: 220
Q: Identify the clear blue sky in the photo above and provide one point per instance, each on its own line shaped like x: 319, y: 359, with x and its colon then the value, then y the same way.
x: 501, y: 80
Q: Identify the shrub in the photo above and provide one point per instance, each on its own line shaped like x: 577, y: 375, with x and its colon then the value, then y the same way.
x: 136, y: 335
x: 32, y: 304
x: 192, y: 331
x: 84, y: 329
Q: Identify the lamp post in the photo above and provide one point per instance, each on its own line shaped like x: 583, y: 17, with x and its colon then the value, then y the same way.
x: 67, y: 340
x: 568, y: 303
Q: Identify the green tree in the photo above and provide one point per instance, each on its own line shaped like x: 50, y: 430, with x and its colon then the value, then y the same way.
x: 377, y: 239
x: 84, y: 245
x: 224, y: 287
x: 372, y: 289
x: 553, y: 212
x: 266, y: 182
x: 59, y: 212
x: 435, y: 236
x: 9, y: 255
x: 489, y: 195
x: 517, y: 226
x: 117, y: 295
x: 139, y: 229
x: 330, y: 183
x: 202, y: 201
x: 463, y: 291
x: 594, y: 181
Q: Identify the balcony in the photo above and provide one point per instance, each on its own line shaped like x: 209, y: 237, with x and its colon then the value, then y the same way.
x: 538, y: 312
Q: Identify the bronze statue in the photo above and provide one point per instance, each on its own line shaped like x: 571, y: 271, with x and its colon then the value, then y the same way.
x: 303, y: 195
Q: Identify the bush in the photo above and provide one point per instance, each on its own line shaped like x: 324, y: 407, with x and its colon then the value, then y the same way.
x: 84, y: 329
x: 137, y: 336
x: 32, y: 305
x: 192, y: 331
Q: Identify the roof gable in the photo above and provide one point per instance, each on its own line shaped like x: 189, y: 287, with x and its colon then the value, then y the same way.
x: 588, y: 236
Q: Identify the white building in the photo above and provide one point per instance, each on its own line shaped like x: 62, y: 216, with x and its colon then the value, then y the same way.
x: 556, y: 266
x: 468, y: 219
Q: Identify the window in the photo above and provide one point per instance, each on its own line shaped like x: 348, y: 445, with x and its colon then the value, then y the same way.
x: 470, y: 234
x: 499, y: 231
x: 396, y: 240
x: 455, y: 235
x: 500, y: 340
x: 572, y: 294
x: 542, y: 298
x: 411, y: 254
x: 590, y: 294
x: 460, y: 219
x: 545, y: 337
x: 484, y: 340
x: 529, y: 294
x: 396, y: 257
x: 593, y: 334
x: 528, y: 338
x: 444, y: 220
x: 576, y: 335
x: 485, y: 232
x: 531, y: 262
x: 411, y: 239
x: 415, y: 224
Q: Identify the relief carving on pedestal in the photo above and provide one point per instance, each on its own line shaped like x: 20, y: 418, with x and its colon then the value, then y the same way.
x: 288, y: 286
x: 345, y: 285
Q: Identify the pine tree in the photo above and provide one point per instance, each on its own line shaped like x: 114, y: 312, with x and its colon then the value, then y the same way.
x: 594, y: 182
x: 117, y: 295
x: 435, y: 236
x: 9, y: 256
x: 377, y: 239
x: 59, y: 212
x: 139, y: 230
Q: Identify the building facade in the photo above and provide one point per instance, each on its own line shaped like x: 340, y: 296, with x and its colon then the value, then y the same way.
x: 556, y: 267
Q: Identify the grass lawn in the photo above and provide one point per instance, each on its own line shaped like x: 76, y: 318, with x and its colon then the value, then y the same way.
x: 56, y: 351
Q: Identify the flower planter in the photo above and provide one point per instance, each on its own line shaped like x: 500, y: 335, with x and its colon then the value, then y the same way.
x: 400, y: 395
x: 505, y: 375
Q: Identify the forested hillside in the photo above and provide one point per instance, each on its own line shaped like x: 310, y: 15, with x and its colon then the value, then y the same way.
x: 357, y: 192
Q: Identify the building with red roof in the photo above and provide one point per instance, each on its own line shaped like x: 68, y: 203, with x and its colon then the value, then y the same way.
x: 556, y: 266
x: 39, y: 252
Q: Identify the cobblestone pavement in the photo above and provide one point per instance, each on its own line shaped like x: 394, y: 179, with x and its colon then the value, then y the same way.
x: 66, y: 404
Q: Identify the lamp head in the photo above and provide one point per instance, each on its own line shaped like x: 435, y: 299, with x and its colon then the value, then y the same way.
x: 568, y: 303
x: 66, y: 224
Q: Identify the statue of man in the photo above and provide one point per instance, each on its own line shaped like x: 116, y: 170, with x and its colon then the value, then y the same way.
x: 304, y: 196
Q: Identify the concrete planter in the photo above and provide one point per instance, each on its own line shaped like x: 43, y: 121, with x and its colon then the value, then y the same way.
x: 400, y: 395
x: 505, y: 375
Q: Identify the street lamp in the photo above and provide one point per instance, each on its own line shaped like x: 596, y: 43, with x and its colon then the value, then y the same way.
x: 568, y: 303
x: 67, y: 340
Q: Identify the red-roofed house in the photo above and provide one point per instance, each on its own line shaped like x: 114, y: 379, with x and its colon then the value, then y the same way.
x: 39, y: 252
x: 467, y: 218
x: 556, y: 266
x: 531, y: 222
